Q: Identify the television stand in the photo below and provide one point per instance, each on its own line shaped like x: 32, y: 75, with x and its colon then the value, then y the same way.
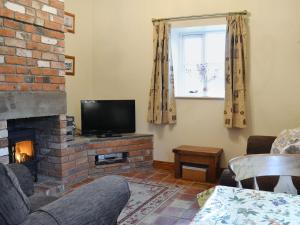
x: 91, y: 156
x: 106, y: 135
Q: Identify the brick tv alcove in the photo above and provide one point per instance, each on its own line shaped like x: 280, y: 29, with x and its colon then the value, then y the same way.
x: 32, y: 96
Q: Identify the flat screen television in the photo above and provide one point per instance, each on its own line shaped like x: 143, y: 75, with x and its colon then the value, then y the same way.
x: 107, y: 117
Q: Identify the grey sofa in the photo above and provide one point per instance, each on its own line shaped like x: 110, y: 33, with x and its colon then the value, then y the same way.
x: 97, y: 203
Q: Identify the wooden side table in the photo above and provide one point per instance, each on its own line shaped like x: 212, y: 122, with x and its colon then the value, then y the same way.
x: 207, y: 156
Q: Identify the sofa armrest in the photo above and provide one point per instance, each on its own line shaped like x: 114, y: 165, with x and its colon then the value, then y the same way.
x: 260, y: 144
x: 97, y: 203
x: 24, y: 177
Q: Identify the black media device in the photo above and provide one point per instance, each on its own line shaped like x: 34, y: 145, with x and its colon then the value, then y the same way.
x: 107, y: 118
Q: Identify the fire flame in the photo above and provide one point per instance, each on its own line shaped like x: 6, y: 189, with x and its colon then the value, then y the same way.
x: 24, y: 151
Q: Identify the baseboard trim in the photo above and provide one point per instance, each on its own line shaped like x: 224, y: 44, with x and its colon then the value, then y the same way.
x: 164, y: 165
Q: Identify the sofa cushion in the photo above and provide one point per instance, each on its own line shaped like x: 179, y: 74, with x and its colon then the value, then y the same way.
x: 288, y: 141
x: 14, y: 204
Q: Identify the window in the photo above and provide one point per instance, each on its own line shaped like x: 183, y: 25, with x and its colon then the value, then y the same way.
x: 199, y: 61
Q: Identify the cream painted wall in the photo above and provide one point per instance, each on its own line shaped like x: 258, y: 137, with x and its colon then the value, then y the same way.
x: 80, y: 45
x: 122, y: 64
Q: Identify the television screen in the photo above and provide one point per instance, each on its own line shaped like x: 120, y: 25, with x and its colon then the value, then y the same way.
x: 107, y: 116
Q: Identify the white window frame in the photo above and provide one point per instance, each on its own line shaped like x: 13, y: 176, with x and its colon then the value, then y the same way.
x: 178, y: 63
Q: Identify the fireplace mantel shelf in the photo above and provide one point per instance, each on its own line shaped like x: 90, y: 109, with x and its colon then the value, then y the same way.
x: 16, y: 105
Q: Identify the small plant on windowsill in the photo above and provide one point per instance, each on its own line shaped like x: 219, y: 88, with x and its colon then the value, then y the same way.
x: 204, y: 73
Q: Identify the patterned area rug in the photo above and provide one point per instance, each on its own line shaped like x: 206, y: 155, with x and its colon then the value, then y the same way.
x: 145, y: 198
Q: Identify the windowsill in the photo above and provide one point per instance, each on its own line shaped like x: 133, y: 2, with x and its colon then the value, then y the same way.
x: 200, y: 98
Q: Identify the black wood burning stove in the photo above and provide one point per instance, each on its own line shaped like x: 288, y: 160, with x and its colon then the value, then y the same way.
x: 22, y: 148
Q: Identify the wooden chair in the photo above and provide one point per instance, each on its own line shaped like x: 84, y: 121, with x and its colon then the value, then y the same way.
x: 252, y: 166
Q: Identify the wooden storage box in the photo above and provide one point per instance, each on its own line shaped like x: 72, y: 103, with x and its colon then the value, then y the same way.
x: 194, y: 173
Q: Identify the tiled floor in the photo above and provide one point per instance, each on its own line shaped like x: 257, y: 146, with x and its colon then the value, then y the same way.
x: 178, y: 210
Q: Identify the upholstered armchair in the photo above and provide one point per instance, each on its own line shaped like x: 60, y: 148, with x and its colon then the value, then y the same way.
x: 97, y: 203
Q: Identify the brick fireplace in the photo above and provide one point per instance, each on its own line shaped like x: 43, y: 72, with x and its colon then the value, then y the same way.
x: 32, y: 83
x: 32, y: 97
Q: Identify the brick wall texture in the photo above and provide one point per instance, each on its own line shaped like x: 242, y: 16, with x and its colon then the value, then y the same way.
x: 32, y: 45
x: 75, y: 163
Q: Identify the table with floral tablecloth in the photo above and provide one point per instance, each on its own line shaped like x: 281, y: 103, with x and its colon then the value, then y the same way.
x: 235, y: 206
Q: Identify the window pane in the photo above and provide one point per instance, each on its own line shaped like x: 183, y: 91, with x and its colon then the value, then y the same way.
x: 215, y: 47
x: 193, y: 48
x: 192, y: 57
x: 215, y: 61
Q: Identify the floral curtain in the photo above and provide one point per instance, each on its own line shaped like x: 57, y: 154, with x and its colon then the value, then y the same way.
x: 235, y: 71
x: 162, y: 107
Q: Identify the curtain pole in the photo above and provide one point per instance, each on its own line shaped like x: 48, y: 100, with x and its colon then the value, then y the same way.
x: 195, y: 17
